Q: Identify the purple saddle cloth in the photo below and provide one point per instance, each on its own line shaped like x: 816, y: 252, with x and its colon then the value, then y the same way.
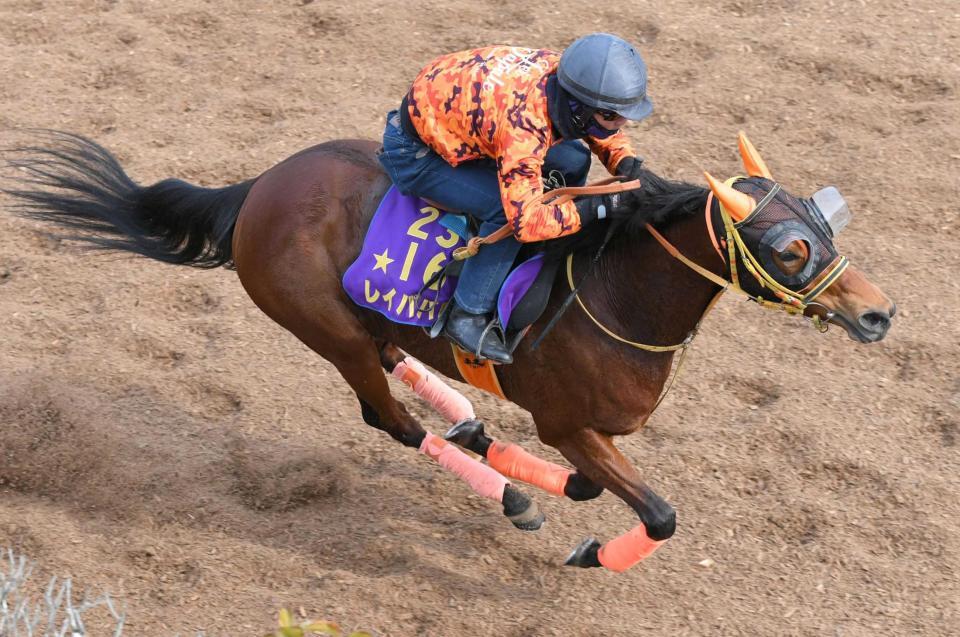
x: 404, y: 247
x: 407, y: 243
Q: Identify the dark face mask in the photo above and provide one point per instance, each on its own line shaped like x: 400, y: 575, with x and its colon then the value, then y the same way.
x: 584, y: 120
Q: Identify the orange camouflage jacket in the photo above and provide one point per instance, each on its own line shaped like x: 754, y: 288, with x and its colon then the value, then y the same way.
x: 492, y: 102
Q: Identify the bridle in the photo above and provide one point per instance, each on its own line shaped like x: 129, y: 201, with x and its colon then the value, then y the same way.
x: 791, y: 302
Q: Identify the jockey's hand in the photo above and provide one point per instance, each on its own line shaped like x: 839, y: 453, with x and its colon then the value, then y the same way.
x: 619, y: 205
x: 630, y: 168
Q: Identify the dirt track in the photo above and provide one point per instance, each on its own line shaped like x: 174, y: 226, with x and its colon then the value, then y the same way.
x: 161, y: 438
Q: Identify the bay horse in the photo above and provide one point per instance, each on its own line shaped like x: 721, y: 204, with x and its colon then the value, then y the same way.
x: 291, y: 232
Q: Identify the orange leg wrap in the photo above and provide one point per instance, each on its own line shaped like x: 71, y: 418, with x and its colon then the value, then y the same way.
x: 481, y: 478
x: 512, y: 461
x: 621, y: 553
x: 450, y: 403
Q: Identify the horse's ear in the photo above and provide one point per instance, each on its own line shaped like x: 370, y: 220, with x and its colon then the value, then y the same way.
x: 752, y: 160
x: 738, y: 204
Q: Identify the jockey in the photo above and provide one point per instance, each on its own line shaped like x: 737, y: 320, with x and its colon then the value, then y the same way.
x: 478, y: 132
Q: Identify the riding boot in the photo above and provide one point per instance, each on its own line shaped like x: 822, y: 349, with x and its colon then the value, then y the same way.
x: 466, y: 329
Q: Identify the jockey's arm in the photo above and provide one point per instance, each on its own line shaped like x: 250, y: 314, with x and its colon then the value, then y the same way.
x: 520, y: 170
x: 612, y: 150
x: 520, y: 166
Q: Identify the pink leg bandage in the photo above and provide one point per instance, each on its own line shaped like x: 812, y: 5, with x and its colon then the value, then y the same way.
x: 621, y: 553
x: 481, y: 478
x: 450, y: 403
x: 513, y: 462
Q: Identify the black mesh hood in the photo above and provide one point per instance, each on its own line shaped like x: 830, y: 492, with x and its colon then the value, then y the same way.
x: 778, y: 219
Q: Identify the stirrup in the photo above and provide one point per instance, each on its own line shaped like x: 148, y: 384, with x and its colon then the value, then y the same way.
x: 493, y: 323
x: 441, y: 321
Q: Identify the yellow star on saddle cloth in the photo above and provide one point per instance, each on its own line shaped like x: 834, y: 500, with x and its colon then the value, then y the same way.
x: 382, y: 261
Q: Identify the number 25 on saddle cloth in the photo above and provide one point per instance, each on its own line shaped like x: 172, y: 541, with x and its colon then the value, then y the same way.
x: 410, y: 241
x: 407, y: 243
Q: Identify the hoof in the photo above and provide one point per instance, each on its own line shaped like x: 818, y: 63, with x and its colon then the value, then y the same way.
x: 530, y: 520
x: 469, y: 435
x: 585, y: 555
x: 523, y: 511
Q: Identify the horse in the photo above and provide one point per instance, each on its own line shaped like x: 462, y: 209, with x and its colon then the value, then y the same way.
x: 291, y: 232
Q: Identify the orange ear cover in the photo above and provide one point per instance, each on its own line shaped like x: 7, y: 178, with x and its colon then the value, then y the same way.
x: 738, y: 204
x: 752, y: 161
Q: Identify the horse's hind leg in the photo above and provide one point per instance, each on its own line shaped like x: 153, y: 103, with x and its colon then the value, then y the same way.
x: 355, y: 354
x: 523, y: 512
x: 515, y: 462
x: 507, y: 458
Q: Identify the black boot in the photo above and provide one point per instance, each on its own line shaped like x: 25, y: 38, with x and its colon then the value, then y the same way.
x: 465, y: 329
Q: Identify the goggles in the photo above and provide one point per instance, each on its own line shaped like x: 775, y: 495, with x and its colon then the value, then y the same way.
x: 610, y: 116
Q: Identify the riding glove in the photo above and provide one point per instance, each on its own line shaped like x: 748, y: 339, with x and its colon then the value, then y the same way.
x: 619, y: 205
x: 630, y: 167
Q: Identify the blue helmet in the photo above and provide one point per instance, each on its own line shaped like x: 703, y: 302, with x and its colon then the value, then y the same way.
x: 604, y: 72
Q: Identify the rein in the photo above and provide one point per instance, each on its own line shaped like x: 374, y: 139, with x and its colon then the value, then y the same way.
x: 793, y: 303
x: 554, y: 197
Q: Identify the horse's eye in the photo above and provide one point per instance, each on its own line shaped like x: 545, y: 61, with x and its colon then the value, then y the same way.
x: 788, y: 257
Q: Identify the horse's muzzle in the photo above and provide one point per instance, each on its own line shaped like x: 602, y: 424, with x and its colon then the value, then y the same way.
x: 870, y: 327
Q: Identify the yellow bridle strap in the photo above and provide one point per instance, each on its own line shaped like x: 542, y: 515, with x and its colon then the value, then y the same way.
x: 827, y: 281
x: 643, y: 346
x: 790, y: 301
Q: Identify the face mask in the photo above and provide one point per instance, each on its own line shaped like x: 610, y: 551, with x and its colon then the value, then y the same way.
x: 780, y: 219
x: 597, y: 131
x: 584, y: 120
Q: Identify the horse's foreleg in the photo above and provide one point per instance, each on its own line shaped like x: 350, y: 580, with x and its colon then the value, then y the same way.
x: 506, y: 458
x: 595, y: 455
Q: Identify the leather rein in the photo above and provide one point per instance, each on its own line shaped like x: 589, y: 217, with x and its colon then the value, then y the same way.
x: 794, y: 303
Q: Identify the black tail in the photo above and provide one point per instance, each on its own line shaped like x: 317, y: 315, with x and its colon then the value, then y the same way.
x: 77, y: 183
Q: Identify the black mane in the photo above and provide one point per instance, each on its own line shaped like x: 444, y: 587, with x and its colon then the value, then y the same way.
x: 661, y: 202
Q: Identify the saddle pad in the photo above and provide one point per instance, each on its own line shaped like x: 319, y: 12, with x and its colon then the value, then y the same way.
x: 515, y: 288
x: 405, y: 245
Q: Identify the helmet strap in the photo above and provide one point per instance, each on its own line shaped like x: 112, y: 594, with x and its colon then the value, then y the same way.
x: 565, y: 123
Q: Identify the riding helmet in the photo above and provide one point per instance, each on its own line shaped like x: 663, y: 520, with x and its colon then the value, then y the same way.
x: 604, y: 72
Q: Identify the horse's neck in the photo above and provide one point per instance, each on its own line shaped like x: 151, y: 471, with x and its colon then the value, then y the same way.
x: 650, y: 296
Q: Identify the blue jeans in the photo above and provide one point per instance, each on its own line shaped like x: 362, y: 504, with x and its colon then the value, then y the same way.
x: 474, y: 188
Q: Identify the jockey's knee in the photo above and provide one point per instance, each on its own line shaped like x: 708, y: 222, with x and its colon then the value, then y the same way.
x: 579, y: 166
x: 662, y: 523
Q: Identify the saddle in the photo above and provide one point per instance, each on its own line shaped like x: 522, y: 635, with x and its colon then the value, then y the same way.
x: 407, y: 269
x: 428, y: 245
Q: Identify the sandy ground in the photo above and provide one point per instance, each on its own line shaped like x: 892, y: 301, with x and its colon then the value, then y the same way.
x: 162, y: 439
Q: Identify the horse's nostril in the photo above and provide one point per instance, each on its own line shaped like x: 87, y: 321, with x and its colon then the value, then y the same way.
x: 893, y: 310
x: 874, y: 321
